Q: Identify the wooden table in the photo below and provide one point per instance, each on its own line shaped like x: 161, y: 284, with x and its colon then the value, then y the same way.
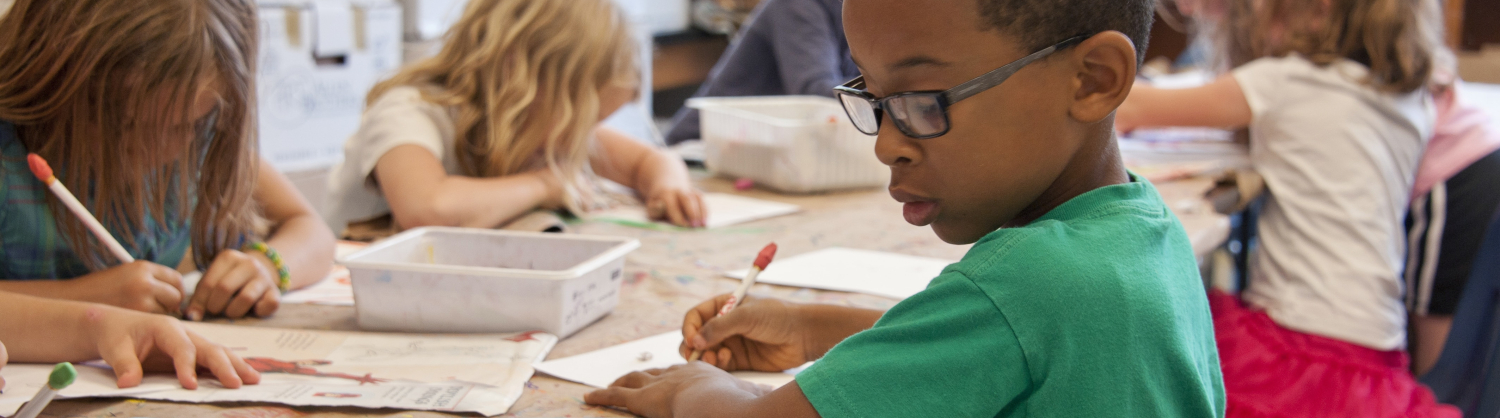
x: 669, y: 273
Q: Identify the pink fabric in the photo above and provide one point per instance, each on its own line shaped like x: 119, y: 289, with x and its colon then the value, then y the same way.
x: 1462, y: 135
x: 1274, y: 372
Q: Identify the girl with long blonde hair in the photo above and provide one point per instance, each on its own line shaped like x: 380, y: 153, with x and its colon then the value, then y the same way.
x: 1336, y: 96
x: 145, y: 109
x: 506, y: 119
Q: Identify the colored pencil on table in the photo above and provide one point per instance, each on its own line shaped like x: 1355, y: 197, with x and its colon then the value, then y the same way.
x: 62, y: 375
x: 761, y: 261
x: 43, y: 172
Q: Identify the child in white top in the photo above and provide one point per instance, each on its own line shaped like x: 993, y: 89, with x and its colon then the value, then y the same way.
x: 504, y: 120
x: 1334, y: 94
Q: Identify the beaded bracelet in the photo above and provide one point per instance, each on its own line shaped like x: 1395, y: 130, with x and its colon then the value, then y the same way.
x: 284, y: 279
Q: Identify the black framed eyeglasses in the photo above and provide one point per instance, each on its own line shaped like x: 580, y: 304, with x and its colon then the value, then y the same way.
x: 924, y: 114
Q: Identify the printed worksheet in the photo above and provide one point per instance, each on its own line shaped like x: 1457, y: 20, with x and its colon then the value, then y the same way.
x: 459, y: 373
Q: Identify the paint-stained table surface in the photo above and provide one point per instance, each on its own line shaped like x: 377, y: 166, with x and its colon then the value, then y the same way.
x: 672, y: 271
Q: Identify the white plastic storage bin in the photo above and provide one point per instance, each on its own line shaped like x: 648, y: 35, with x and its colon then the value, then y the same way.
x: 480, y: 280
x: 796, y: 144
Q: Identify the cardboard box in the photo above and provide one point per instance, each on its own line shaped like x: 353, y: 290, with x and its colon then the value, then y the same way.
x: 318, y: 60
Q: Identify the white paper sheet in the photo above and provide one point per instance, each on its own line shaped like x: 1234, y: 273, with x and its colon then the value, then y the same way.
x: 335, y: 290
x: 877, y: 273
x: 601, y: 367
x: 723, y: 210
x: 460, y: 373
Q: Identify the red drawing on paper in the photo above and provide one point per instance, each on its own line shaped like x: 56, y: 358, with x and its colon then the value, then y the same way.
x: 270, y: 365
x: 525, y: 336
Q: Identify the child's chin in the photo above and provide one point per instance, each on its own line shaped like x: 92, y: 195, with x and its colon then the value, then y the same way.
x: 956, y: 235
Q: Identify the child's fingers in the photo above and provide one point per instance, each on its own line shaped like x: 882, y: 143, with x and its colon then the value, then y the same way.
x: 696, y: 213
x: 222, y: 281
x: 613, y: 396
x: 213, y: 357
x: 172, y: 340
x: 269, y: 303
x: 674, y: 209
x: 692, y: 322
x: 168, y: 298
x: 165, y: 275
x: 725, y: 358
x: 248, y: 374
x: 246, y: 298
x: 715, y: 331
x: 121, y: 356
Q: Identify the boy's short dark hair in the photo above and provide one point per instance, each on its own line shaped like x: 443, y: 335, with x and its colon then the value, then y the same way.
x: 1041, y: 23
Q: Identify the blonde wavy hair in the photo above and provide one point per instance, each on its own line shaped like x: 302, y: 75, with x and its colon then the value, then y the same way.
x: 524, y: 76
x: 102, y: 90
x: 1400, y: 41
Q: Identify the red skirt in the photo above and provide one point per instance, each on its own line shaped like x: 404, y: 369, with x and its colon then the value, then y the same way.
x: 1274, y: 372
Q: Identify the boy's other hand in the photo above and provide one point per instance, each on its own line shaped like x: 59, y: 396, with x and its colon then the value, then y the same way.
x: 760, y: 334
x: 682, y: 205
x: 133, y: 342
x: 651, y: 393
x: 141, y: 285
x: 236, y: 284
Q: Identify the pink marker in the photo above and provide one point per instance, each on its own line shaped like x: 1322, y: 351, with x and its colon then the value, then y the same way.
x: 761, y: 261
x: 43, y: 172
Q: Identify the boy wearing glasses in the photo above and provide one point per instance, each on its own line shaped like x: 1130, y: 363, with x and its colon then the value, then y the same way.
x: 1080, y: 296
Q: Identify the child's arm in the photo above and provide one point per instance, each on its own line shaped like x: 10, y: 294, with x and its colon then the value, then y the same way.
x: 698, y: 390
x: 240, y: 282
x: 660, y: 178
x: 142, y: 285
x: 1219, y: 104
x: 50, y: 331
x: 421, y: 193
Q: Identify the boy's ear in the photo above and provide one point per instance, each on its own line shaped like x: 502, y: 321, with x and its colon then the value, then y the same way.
x: 1105, y: 65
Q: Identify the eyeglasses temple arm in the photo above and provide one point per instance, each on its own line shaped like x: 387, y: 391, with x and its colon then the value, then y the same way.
x: 998, y: 75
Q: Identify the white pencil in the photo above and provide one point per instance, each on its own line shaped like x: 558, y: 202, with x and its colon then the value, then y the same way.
x: 43, y: 172
x: 761, y: 261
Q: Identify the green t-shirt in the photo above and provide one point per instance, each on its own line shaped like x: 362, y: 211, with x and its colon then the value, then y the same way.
x: 1094, y: 310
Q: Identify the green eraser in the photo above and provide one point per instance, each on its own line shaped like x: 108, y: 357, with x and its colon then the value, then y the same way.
x: 62, y: 375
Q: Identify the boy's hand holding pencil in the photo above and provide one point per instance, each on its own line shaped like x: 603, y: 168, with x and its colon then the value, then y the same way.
x: 761, y: 334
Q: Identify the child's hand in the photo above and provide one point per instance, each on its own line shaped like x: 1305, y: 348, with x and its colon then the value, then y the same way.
x: 680, y: 204
x: 651, y: 393
x: 759, y: 334
x: 4, y: 357
x: 141, y: 285
x: 128, y: 340
x: 553, y: 194
x: 235, y: 283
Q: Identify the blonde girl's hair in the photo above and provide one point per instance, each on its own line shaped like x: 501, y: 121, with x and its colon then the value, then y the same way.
x: 104, y: 90
x: 1400, y: 41
x: 524, y: 77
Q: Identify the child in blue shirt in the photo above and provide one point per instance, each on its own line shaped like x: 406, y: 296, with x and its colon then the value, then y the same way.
x: 788, y: 47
